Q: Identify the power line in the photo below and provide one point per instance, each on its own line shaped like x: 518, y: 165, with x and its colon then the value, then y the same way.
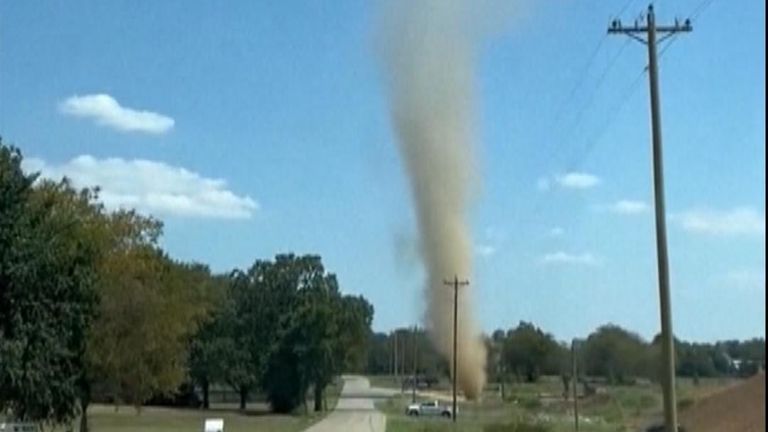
x: 577, y: 158
x: 624, y: 8
x: 580, y: 80
x: 666, y: 47
x: 700, y: 9
x: 590, y: 100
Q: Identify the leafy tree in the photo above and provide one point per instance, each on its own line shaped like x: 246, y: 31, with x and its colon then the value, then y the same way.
x: 47, y: 273
x: 149, y: 305
x: 614, y: 353
x: 379, y: 354
x: 248, y: 329
x: 210, y: 344
x: 355, y: 316
x: 529, y: 352
x: 305, y: 352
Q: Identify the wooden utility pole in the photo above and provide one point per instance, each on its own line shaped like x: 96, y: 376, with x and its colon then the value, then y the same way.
x: 651, y: 31
x: 415, y: 352
x: 394, y: 355
x: 575, y: 385
x: 455, y: 284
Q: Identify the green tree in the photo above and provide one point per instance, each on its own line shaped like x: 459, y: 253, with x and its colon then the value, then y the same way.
x: 210, y: 344
x: 305, y: 352
x: 149, y: 306
x: 47, y: 272
x: 354, y: 316
x: 615, y: 354
x: 528, y: 352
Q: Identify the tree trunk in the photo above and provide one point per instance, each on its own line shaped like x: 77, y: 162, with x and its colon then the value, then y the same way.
x: 243, y: 397
x: 206, y: 400
x: 318, y: 398
x: 84, y: 402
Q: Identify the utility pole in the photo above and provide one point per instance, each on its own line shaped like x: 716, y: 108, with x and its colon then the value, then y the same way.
x: 575, y: 385
x: 414, y: 381
x: 651, y: 30
x: 455, y: 284
x: 394, y: 356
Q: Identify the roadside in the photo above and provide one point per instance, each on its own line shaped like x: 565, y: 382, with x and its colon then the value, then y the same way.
x: 355, y: 410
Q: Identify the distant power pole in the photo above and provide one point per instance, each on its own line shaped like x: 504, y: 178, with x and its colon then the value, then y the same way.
x: 651, y: 30
x: 575, y: 385
x: 455, y: 284
x: 394, y: 356
x: 414, y: 381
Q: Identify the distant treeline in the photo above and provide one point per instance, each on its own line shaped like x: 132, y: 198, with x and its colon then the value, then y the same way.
x: 526, y: 352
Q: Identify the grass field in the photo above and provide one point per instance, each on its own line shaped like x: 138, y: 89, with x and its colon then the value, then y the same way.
x: 540, y: 408
x: 106, y: 418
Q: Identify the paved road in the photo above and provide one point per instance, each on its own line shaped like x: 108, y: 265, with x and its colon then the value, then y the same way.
x: 355, y: 411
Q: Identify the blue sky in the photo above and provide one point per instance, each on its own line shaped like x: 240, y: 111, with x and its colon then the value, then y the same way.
x: 253, y: 128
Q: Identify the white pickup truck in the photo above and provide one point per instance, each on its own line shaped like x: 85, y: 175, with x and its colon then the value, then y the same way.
x: 429, y: 408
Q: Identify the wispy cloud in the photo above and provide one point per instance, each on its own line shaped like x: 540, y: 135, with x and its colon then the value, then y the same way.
x: 485, y: 250
x: 556, y: 231
x: 627, y: 207
x: 106, y: 111
x: 543, y: 184
x: 150, y: 187
x: 571, y: 180
x: 492, y: 238
x: 740, y: 221
x: 560, y: 257
x: 744, y: 279
x: 577, y: 180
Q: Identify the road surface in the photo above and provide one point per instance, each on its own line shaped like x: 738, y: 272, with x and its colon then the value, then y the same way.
x: 355, y: 411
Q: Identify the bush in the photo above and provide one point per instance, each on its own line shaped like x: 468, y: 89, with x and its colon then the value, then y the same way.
x: 685, y: 403
x: 530, y: 403
x: 184, y: 397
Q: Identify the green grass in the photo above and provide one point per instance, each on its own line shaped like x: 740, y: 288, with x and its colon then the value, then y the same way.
x: 106, y: 418
x: 539, y: 407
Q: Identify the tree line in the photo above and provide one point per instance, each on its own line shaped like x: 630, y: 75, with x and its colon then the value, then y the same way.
x: 93, y: 309
x: 610, y: 353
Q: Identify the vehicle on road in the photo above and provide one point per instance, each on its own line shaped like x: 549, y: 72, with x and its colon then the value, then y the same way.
x: 422, y: 382
x: 429, y: 408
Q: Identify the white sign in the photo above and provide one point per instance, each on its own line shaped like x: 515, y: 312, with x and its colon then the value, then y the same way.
x: 214, y: 425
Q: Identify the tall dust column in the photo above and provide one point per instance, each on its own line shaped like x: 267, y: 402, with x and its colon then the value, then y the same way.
x: 428, y: 61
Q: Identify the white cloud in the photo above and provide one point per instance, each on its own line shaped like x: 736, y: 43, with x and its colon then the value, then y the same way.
x: 556, y: 232
x: 733, y: 222
x: 150, y: 187
x: 628, y: 207
x: 106, y: 111
x: 485, y: 250
x: 577, y: 180
x: 561, y: 257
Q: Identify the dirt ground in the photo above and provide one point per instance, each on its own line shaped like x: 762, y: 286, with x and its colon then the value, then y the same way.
x: 740, y: 408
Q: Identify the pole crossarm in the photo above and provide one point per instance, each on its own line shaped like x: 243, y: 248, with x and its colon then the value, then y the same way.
x: 636, y: 30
